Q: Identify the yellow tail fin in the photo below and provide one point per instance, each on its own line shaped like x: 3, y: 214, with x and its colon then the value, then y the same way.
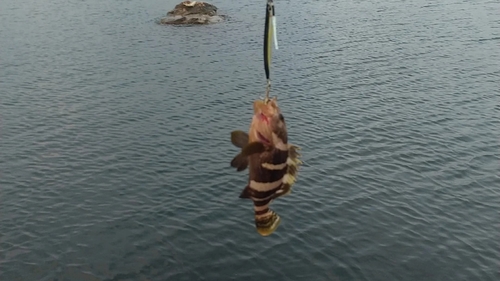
x: 269, y: 225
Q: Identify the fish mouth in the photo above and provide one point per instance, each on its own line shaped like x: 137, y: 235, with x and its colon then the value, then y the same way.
x: 262, y: 138
x: 264, y: 121
x: 264, y: 118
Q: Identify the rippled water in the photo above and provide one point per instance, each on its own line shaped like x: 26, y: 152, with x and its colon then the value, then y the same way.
x: 115, y: 151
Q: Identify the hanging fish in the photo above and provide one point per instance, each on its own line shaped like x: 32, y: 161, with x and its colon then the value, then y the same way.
x: 272, y: 162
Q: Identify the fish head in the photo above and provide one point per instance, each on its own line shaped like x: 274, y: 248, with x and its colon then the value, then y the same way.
x: 268, y: 124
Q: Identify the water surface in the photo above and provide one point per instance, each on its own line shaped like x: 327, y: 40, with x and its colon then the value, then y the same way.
x: 115, y: 145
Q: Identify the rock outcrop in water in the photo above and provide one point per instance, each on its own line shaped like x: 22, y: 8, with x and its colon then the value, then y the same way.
x: 192, y: 12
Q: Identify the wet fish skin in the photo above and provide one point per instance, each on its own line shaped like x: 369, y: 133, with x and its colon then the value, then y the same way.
x: 272, y: 162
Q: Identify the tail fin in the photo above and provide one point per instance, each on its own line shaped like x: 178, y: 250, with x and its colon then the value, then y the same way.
x: 266, y: 226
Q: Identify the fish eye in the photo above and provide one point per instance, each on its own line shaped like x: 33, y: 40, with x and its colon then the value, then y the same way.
x: 281, y: 117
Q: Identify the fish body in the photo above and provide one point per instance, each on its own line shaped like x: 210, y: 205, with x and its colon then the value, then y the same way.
x: 272, y: 162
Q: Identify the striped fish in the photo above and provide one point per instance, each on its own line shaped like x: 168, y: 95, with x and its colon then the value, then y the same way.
x: 272, y: 162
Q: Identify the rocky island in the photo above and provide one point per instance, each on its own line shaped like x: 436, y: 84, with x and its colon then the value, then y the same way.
x: 192, y: 12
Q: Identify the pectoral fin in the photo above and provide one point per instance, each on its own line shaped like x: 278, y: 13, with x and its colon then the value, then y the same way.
x: 239, y: 138
x: 252, y: 148
x: 240, y: 162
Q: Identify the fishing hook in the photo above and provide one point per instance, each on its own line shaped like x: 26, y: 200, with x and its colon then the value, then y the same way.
x: 268, y: 89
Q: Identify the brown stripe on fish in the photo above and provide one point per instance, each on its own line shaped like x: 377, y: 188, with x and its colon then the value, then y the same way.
x: 264, y: 180
x: 264, y: 216
x: 278, y: 157
x: 282, y: 134
x: 266, y: 175
x: 260, y: 208
x: 278, y: 140
x: 261, y: 196
x: 260, y: 203
x: 261, y: 212
x: 264, y: 219
x: 269, y: 168
x: 251, y: 193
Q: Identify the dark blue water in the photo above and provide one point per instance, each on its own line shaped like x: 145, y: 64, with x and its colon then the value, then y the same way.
x: 115, y: 150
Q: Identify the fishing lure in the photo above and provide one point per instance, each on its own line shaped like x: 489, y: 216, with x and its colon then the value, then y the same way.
x: 269, y: 34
